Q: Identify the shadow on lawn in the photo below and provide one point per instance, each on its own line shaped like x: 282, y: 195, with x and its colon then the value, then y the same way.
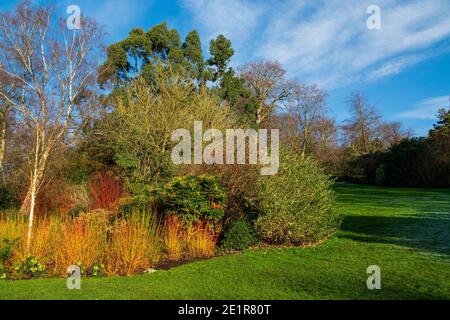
x: 427, y: 233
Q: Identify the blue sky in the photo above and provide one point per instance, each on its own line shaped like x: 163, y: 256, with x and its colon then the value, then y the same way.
x: 404, y: 68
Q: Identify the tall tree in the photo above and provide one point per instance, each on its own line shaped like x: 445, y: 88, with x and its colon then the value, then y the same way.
x: 306, y: 103
x: 442, y: 127
x: 192, y: 51
x: 266, y: 82
x: 4, y: 111
x: 439, y: 138
x: 221, y: 53
x: 135, y: 55
x: 392, y: 133
x: 233, y: 90
x: 52, y: 67
x: 360, y: 131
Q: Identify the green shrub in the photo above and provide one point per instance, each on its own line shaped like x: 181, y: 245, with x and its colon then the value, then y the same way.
x: 30, y: 268
x: 97, y: 270
x: 194, y: 198
x: 3, y: 272
x: 297, y: 205
x: 5, y: 252
x: 8, y: 198
x: 7, y: 248
x: 240, y: 236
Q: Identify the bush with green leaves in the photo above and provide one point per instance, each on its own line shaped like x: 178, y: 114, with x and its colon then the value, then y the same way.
x: 8, y: 198
x: 240, y: 235
x: 194, y: 198
x: 5, y: 252
x: 297, y: 205
x: 30, y: 268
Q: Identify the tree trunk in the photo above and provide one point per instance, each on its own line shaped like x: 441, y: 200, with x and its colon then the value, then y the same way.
x: 29, y: 204
x: 42, y: 152
x: 259, y: 114
x: 33, y: 190
x: 305, y: 137
x: 3, y: 132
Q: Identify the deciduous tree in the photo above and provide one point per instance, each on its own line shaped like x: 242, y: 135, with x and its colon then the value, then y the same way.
x: 265, y: 80
x: 52, y: 67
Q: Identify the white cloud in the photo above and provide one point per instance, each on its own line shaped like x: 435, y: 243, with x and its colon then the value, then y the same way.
x: 236, y: 19
x: 328, y: 42
x: 333, y: 44
x: 395, y: 66
x: 426, y: 109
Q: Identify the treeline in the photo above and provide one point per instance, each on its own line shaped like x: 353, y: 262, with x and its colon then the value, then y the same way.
x: 412, y: 162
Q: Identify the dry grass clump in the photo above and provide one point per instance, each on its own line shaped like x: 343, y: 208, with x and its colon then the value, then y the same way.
x: 173, y: 238
x: 201, y: 241
x: 195, y: 241
x: 134, y: 245
x: 103, y: 243
x: 120, y: 245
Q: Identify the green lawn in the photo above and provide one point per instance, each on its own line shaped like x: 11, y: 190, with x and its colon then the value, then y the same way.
x: 404, y: 231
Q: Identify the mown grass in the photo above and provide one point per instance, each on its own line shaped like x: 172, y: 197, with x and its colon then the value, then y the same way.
x: 404, y: 231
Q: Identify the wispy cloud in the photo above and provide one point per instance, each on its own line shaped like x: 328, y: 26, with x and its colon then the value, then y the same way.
x: 239, y: 20
x: 236, y: 19
x: 327, y: 42
x: 426, y: 109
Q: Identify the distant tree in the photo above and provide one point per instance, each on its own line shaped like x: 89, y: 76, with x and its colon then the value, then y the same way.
x: 135, y: 55
x: 232, y: 89
x: 307, y: 105
x: 439, y: 140
x: 392, y: 133
x: 140, y: 53
x: 360, y: 131
x: 442, y: 127
x: 266, y: 82
x: 327, y: 149
x: 221, y: 52
x: 192, y: 51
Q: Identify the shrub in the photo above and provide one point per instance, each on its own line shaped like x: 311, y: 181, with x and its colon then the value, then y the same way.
x: 240, y: 235
x: 5, y: 252
x: 8, y: 198
x: 139, y: 202
x: 62, y: 198
x: 173, y: 238
x: 241, y: 185
x: 194, y: 198
x: 80, y: 241
x: 30, y: 268
x: 144, y: 117
x: 42, y: 243
x: 201, y: 241
x: 297, y: 204
x: 7, y: 248
x: 135, y: 244
x: 197, y: 240
x: 105, y: 190
x: 96, y: 242
x: 97, y: 270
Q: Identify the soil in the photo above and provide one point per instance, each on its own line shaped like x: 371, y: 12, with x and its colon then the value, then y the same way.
x: 169, y: 264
